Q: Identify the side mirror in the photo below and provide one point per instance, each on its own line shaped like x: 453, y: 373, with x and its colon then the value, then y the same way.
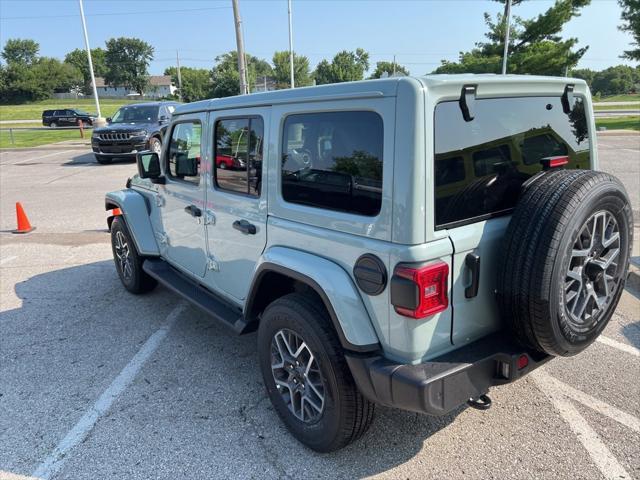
x: 164, y: 119
x: 108, y: 119
x: 148, y: 165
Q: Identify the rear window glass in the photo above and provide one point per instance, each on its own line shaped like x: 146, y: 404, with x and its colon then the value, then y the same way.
x: 480, y: 165
x: 333, y: 161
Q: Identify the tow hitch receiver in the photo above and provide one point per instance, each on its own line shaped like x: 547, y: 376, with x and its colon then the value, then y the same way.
x: 483, y: 402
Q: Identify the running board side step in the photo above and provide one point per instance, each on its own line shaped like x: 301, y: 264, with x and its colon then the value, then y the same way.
x: 196, y: 294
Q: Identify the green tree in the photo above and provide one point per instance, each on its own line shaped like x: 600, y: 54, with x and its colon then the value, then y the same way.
x: 631, y: 18
x: 78, y: 58
x: 282, y: 69
x: 585, y: 74
x: 345, y: 67
x: 535, y: 46
x: 37, y: 81
x: 225, y: 76
x: 389, y: 68
x: 616, y: 80
x: 127, y: 62
x: 20, y: 51
x: 196, y: 82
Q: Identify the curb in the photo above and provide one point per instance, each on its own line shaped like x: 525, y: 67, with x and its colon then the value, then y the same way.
x: 617, y: 133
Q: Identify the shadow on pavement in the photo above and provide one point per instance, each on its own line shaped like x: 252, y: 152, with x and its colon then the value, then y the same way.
x: 89, y: 160
x: 201, y: 390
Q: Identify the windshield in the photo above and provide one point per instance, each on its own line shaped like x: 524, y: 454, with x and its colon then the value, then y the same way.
x: 480, y: 165
x: 136, y: 114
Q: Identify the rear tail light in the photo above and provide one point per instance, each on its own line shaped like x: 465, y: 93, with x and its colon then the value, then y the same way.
x: 554, y: 162
x: 420, y: 292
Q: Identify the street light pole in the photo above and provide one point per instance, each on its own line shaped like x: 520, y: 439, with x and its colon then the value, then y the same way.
x: 99, y: 121
x: 506, y: 37
x: 291, y: 47
x: 242, y: 67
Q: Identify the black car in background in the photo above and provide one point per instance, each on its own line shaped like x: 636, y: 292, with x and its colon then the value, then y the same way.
x: 66, y: 117
x: 133, y: 128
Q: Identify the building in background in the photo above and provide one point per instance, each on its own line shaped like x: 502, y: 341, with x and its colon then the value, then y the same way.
x: 160, y: 86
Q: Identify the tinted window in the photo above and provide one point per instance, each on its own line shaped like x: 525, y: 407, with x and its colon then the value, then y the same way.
x: 136, y: 114
x: 239, y: 155
x: 184, y: 152
x: 503, y: 146
x: 333, y: 161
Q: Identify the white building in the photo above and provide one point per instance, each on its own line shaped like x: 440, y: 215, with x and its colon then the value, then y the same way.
x: 159, y: 86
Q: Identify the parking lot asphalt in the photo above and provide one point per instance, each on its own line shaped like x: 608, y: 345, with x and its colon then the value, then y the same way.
x: 98, y: 383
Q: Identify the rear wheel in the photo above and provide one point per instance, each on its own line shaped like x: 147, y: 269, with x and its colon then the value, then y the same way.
x: 306, y: 375
x: 128, y: 261
x: 566, y: 256
x: 53, y: 124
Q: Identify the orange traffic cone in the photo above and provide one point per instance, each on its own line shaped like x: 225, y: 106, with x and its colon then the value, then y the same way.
x: 23, y: 222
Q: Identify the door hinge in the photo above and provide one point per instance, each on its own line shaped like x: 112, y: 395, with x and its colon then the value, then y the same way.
x: 209, y: 218
x: 212, y: 264
x: 162, y: 238
x: 159, y: 200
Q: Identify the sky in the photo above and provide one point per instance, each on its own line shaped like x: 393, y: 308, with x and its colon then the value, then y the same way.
x: 420, y: 33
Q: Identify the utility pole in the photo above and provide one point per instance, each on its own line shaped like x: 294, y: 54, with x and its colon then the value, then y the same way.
x: 242, y: 67
x: 99, y: 121
x: 507, y: 15
x: 394, y: 65
x: 291, y: 47
x: 179, y: 76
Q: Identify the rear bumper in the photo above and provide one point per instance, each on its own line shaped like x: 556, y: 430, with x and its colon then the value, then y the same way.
x: 441, y: 385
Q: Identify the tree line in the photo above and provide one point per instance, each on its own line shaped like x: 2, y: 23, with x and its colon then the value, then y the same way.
x: 536, y: 47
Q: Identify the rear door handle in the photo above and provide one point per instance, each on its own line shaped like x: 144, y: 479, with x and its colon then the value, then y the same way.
x: 245, y: 227
x: 193, y: 211
x: 472, y: 262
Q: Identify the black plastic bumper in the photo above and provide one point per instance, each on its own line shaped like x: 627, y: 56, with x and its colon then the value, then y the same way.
x: 441, y: 385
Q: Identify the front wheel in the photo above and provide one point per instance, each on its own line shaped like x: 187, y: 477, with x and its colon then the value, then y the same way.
x: 128, y: 261
x: 102, y: 160
x: 306, y: 376
x: 155, y: 145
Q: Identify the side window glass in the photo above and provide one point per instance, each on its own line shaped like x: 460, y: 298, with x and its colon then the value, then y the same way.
x: 334, y: 161
x: 184, y: 152
x: 238, y: 155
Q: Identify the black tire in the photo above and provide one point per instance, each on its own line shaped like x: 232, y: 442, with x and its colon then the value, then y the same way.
x: 102, y: 160
x: 551, y: 278
x: 134, y: 278
x: 155, y: 145
x: 346, y: 414
x: 53, y: 125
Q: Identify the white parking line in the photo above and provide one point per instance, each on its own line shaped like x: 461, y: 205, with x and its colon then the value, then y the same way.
x: 551, y: 384
x: 559, y: 393
x: 7, y: 259
x: 619, y: 345
x: 40, y: 157
x: 79, y: 432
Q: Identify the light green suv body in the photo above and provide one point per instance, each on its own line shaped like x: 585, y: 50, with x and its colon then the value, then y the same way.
x: 248, y: 236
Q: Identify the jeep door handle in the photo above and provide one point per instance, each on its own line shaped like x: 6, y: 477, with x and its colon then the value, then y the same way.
x: 193, y: 211
x: 245, y: 227
x: 472, y: 262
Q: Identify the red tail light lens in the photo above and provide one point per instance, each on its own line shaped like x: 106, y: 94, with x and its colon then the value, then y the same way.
x: 554, y: 162
x: 420, y: 292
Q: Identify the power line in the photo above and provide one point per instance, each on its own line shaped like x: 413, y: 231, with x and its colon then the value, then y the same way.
x: 114, y: 14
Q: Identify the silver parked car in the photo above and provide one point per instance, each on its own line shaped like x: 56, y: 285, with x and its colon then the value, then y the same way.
x: 410, y: 242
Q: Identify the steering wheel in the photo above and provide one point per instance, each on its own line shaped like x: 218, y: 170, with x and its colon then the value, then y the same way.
x: 301, y: 157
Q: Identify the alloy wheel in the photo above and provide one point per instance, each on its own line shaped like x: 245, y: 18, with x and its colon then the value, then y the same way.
x: 593, y: 274
x: 297, y: 376
x: 124, y: 255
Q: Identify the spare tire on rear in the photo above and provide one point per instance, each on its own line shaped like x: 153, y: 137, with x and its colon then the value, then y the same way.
x: 565, y: 260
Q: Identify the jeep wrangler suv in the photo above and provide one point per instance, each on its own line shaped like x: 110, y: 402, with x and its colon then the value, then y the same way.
x: 410, y: 242
x: 134, y: 128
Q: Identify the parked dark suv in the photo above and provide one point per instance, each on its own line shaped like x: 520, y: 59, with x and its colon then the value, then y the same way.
x: 66, y: 117
x: 133, y: 128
